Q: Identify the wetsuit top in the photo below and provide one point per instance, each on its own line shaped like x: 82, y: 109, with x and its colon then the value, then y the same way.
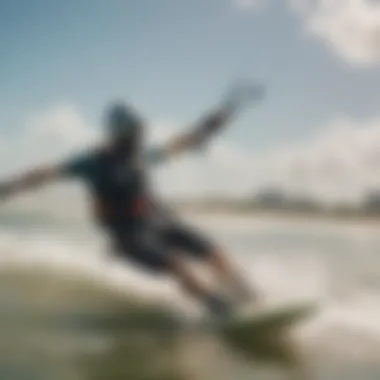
x: 119, y: 189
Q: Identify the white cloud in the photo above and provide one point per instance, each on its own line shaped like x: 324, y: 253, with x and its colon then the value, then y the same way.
x: 48, y: 137
x: 342, y: 163
x: 222, y: 170
x: 350, y: 27
x: 62, y: 125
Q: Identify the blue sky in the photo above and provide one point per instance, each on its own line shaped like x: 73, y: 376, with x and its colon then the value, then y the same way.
x: 173, y: 59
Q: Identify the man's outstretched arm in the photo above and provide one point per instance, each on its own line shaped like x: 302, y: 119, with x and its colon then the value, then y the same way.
x: 29, y: 180
x: 199, y: 135
x: 77, y: 167
x: 203, y: 131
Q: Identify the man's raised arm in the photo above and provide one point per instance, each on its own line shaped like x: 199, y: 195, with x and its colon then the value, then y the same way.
x: 200, y: 134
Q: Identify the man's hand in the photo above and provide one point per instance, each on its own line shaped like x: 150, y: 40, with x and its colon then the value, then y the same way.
x: 244, y: 93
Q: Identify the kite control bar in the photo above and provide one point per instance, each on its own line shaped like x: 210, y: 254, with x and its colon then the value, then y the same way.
x: 238, y: 96
x: 244, y: 93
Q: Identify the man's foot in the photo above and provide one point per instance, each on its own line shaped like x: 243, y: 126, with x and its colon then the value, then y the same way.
x: 247, y: 296
x: 218, y: 306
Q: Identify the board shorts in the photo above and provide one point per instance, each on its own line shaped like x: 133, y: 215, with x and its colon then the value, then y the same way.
x: 151, y: 247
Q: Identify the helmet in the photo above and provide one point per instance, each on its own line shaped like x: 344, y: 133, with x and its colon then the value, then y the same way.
x: 123, y: 122
x: 125, y: 130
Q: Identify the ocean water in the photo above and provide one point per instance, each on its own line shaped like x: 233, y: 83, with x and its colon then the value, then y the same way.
x: 45, y: 261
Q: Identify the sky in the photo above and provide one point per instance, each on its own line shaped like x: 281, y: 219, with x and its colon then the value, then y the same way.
x: 316, y: 133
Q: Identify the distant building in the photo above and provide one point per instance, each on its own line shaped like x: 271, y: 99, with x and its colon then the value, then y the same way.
x: 304, y: 204
x: 372, y: 202
x: 271, y: 198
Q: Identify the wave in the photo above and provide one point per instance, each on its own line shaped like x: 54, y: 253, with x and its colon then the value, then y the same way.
x: 43, y: 271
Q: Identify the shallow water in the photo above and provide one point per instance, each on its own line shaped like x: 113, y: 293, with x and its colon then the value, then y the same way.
x: 333, y: 264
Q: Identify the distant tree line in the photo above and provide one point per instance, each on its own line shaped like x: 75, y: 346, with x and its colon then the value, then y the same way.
x: 276, y: 200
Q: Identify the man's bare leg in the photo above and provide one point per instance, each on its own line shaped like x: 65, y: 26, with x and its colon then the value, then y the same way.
x: 192, y: 285
x: 228, y: 275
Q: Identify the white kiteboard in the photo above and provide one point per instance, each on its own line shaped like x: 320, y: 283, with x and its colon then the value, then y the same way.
x: 262, y: 333
x: 252, y: 319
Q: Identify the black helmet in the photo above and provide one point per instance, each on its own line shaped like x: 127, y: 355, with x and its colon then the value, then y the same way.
x: 124, y: 127
x: 123, y: 121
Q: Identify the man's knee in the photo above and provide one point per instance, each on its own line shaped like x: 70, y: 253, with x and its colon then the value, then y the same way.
x: 192, y: 243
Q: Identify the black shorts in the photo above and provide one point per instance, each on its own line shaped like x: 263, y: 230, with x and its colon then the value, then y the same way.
x: 151, y: 246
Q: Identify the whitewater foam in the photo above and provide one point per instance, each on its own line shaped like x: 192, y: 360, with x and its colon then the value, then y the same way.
x: 328, y: 271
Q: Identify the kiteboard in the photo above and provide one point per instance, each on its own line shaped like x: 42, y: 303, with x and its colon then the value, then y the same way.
x: 253, y: 319
x: 263, y: 333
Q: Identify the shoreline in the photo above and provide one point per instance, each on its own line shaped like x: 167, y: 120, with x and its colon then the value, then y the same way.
x: 293, y: 218
x: 218, y: 215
